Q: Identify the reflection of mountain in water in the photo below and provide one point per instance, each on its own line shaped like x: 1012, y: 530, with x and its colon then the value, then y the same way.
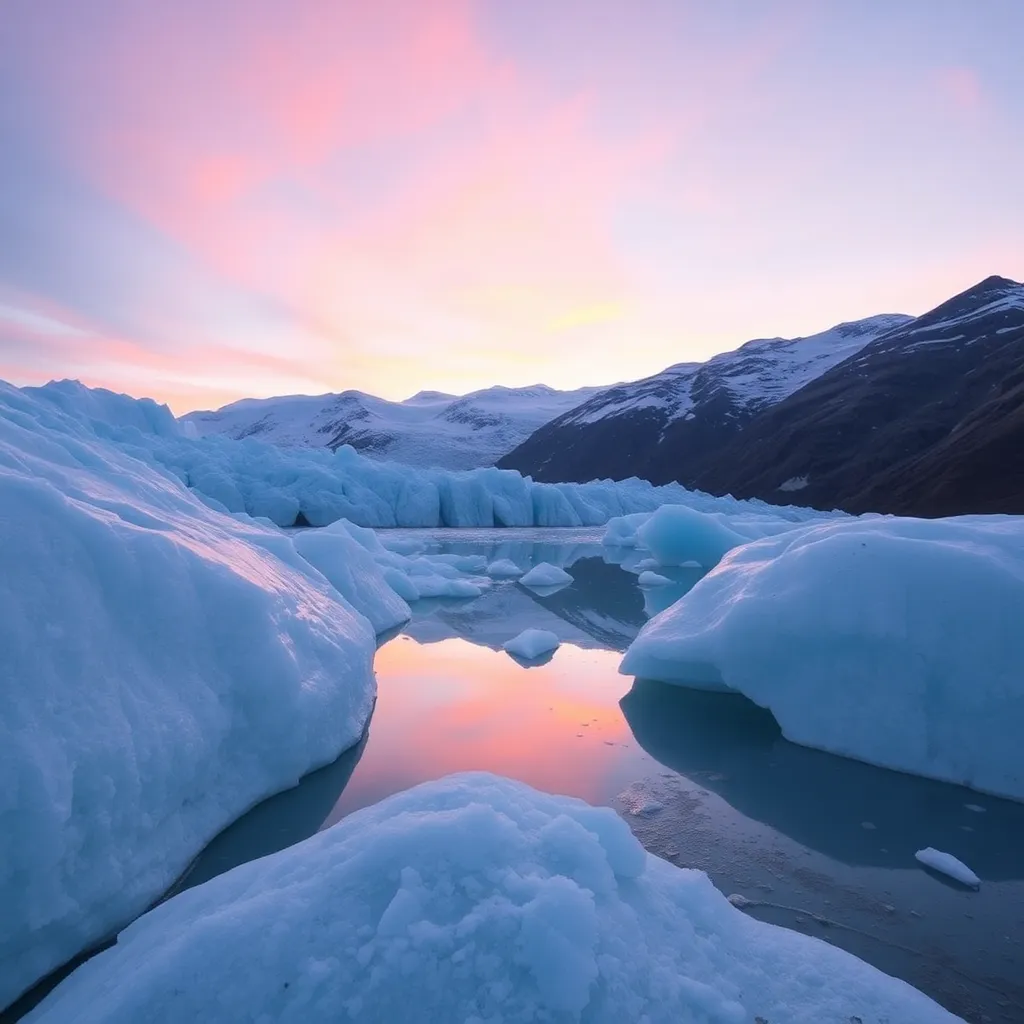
x: 603, y: 607
x: 603, y: 602
x: 735, y: 749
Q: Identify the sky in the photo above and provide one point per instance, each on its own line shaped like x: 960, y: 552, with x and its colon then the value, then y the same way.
x: 211, y: 199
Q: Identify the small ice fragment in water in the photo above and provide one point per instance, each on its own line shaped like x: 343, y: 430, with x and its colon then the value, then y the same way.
x: 652, y: 579
x: 503, y: 568
x: 531, y: 643
x: 868, y: 825
x: 977, y: 808
x: 947, y: 864
x: 639, y: 802
x: 545, y: 575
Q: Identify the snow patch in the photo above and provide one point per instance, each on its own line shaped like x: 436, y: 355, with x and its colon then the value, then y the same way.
x: 795, y: 483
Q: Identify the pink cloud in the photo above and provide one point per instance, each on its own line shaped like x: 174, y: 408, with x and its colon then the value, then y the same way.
x: 962, y: 89
x: 500, y: 225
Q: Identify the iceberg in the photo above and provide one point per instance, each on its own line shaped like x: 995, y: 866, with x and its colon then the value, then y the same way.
x: 504, y: 568
x: 681, y: 535
x: 531, y: 644
x: 894, y: 641
x: 652, y: 579
x: 163, y: 667
x: 546, y: 575
x: 473, y: 899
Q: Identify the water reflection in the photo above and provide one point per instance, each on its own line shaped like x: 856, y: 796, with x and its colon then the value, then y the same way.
x: 852, y: 812
x: 454, y: 706
x: 602, y: 608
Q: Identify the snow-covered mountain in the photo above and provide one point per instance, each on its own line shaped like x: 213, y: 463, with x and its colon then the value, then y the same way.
x: 926, y: 420
x: 431, y: 429
x: 663, y: 426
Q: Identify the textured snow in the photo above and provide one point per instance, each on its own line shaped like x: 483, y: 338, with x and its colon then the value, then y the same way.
x: 546, y: 575
x: 895, y: 641
x: 471, y: 899
x: 531, y: 643
x: 428, y: 430
x: 947, y: 864
x: 162, y: 668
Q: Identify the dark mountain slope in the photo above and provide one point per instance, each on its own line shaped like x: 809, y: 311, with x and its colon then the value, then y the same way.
x: 926, y: 420
x: 671, y: 426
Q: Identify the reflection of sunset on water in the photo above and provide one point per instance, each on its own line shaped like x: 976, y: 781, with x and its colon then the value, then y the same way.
x: 452, y: 706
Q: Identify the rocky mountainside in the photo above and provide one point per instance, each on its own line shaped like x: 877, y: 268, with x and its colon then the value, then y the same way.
x: 926, y: 420
x: 672, y: 425
x: 430, y: 429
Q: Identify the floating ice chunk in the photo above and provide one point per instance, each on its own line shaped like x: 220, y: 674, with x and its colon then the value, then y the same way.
x: 531, y: 643
x: 676, y: 534
x: 652, y: 579
x: 434, y: 585
x: 504, y: 568
x: 621, y: 531
x: 947, y: 864
x: 895, y: 641
x: 546, y: 575
x: 471, y: 899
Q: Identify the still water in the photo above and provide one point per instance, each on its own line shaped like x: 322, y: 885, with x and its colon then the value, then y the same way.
x: 817, y: 843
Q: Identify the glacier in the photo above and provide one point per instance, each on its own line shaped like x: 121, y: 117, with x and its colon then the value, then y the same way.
x: 473, y: 899
x: 163, y: 667
x: 316, y: 487
x: 894, y: 641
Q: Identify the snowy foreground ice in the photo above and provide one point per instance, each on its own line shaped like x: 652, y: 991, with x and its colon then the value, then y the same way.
x: 472, y: 899
x: 895, y: 641
x: 162, y: 668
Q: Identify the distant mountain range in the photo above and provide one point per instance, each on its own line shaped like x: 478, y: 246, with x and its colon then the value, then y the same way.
x: 430, y: 429
x: 671, y: 426
x: 916, y: 416
x: 913, y: 415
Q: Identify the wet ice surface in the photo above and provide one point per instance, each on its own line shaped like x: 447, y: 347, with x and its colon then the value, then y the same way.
x: 818, y: 843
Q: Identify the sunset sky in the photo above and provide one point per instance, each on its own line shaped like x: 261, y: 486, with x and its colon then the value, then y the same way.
x: 206, y: 199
